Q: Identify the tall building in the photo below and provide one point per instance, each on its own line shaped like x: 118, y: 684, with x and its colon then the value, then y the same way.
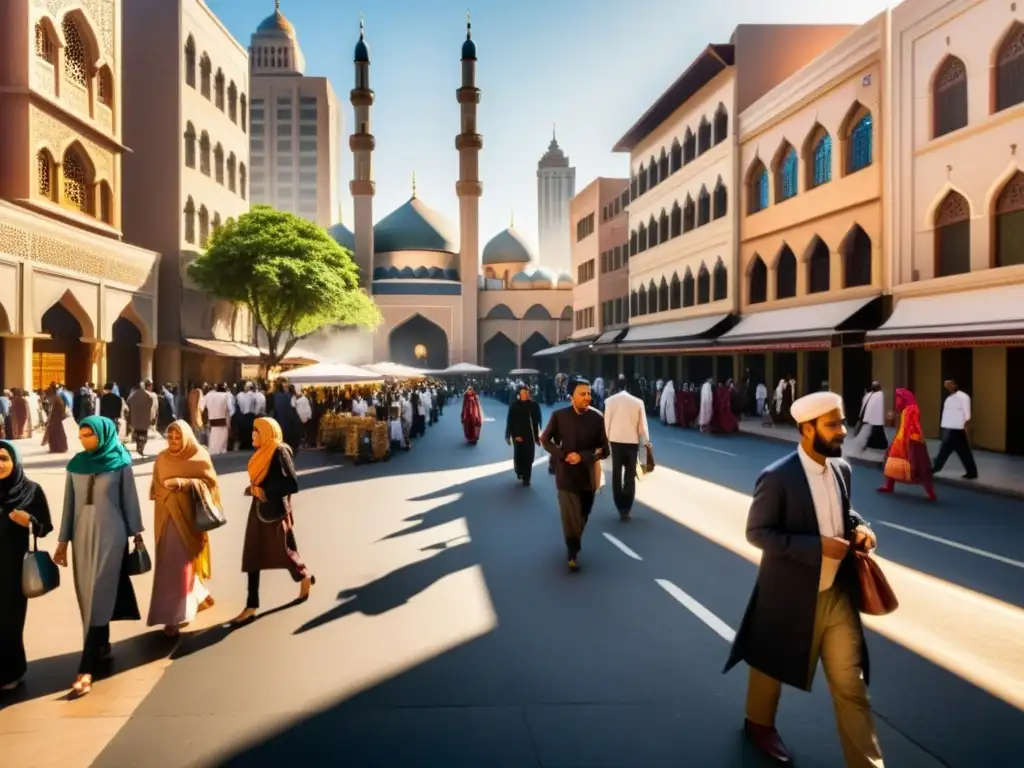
x: 556, y: 186
x: 295, y: 126
x: 77, y: 304
x: 185, y: 110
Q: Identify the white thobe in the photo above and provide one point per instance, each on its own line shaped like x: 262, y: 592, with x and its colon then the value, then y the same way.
x: 707, y: 405
x: 668, y: 404
x: 219, y: 405
x: 761, y: 394
x: 359, y: 407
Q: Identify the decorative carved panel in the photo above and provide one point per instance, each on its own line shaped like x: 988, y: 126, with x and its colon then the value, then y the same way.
x: 953, y: 209
x: 1012, y: 196
x: 44, y: 78
x: 1013, y: 46
x: 101, y: 13
x: 46, y: 128
x: 952, y: 72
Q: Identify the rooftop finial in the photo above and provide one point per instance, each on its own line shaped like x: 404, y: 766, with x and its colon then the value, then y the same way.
x: 277, y: 6
x: 553, y: 132
x: 511, y: 219
x: 362, y: 25
x: 414, y: 183
x: 469, y: 25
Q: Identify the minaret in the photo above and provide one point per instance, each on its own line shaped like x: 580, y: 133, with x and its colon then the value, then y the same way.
x: 361, y: 143
x: 469, y: 188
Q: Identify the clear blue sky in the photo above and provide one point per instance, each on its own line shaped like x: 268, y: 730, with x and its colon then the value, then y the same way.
x: 590, y: 66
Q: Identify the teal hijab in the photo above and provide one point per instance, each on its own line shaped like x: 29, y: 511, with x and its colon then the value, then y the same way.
x: 110, y: 455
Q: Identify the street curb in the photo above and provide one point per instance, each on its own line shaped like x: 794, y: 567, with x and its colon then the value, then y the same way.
x: 956, y: 482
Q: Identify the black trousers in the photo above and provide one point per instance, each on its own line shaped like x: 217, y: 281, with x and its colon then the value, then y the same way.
x: 574, y: 508
x: 522, y: 457
x: 955, y: 441
x: 624, y: 456
x: 96, y: 641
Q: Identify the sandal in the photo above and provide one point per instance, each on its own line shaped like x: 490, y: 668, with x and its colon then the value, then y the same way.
x: 81, y: 687
x: 245, y: 616
x: 307, y: 587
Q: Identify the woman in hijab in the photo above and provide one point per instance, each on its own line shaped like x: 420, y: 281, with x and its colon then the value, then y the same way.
x: 269, y: 535
x: 101, y: 512
x: 22, y: 506
x: 182, y: 472
x: 907, y: 459
x: 54, y: 434
x: 472, y: 417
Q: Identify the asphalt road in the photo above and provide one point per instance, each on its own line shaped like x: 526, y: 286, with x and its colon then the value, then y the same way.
x: 445, y: 631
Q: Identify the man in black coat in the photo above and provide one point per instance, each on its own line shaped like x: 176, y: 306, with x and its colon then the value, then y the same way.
x: 522, y: 432
x: 806, y: 598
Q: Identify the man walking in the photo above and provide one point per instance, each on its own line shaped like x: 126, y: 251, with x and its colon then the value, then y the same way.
x: 956, y: 420
x: 522, y: 432
x: 625, y: 424
x: 142, y: 411
x: 805, y: 604
x: 576, y: 440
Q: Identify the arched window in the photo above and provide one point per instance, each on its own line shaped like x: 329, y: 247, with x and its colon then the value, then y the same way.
x: 105, y: 87
x: 642, y: 177
x: 663, y: 297
x: 204, y: 226
x: 652, y: 232
x: 1009, y: 229
x: 721, y: 124
x: 819, y: 277
x: 703, y: 285
x: 675, y: 292
x: 76, y: 69
x: 689, y: 214
x: 641, y: 234
x: 652, y: 299
x: 633, y: 189
x: 663, y: 226
x: 953, y: 236
x: 190, y: 145
x: 204, y: 153
x: 856, y: 253
x: 663, y: 165
x: 703, y: 136
x: 44, y: 43
x: 190, y: 221
x: 861, y: 144
x: 633, y: 238
x: 785, y: 274
x: 652, y: 172
x: 689, y: 147
x: 1010, y: 69
x: 642, y: 301
x: 758, y: 281
x: 45, y: 174
x: 721, y: 203
x: 703, y: 207
x: 218, y: 88
x: 76, y: 181
x: 215, y: 224
x: 190, y: 62
x: 676, y: 225
x: 677, y: 156
x: 688, y: 288
x: 821, y: 170
x: 231, y: 171
x: 233, y: 102
x: 243, y: 111
x: 241, y: 180
x: 205, y: 73
x: 720, y: 285
x: 634, y: 306
x: 786, y: 179
x: 757, y: 188
x: 949, y: 97
x: 218, y: 163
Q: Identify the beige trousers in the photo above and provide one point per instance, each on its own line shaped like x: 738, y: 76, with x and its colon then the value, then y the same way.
x: 837, y: 641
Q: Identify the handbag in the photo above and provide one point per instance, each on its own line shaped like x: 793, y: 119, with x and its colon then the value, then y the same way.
x: 208, y: 516
x: 139, y: 561
x: 649, y: 465
x: 39, y: 574
x: 876, y: 596
x: 897, y: 469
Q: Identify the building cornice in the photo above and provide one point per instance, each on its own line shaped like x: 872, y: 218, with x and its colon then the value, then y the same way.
x: 78, y: 122
x: 220, y: 25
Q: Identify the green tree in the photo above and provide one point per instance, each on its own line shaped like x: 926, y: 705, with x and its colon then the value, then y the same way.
x: 289, y: 272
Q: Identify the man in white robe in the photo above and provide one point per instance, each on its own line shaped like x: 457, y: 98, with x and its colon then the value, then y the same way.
x: 760, y: 395
x: 667, y: 405
x: 707, y: 406
x: 219, y: 411
x: 871, y: 424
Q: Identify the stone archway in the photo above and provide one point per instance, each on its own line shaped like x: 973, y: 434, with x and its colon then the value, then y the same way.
x: 124, y: 356
x: 62, y: 358
x: 419, y: 342
x: 500, y: 354
x: 534, y: 344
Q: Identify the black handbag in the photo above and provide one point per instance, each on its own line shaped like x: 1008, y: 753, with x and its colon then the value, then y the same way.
x: 139, y: 561
x: 39, y: 574
x: 208, y: 516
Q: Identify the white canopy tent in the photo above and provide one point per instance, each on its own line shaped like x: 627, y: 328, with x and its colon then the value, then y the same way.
x: 331, y: 373
x: 524, y: 372
x: 463, y: 369
x: 396, y: 371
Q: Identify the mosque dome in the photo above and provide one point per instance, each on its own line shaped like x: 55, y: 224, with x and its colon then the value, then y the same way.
x: 276, y: 25
x: 362, y: 54
x: 521, y: 280
x: 543, y: 278
x: 414, y: 226
x: 343, y: 236
x: 565, y: 280
x: 507, y: 247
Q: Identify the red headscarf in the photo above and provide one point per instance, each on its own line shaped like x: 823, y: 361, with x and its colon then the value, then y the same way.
x: 910, y: 424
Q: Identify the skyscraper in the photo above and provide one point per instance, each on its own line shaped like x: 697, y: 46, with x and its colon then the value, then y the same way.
x: 295, y: 126
x: 556, y: 187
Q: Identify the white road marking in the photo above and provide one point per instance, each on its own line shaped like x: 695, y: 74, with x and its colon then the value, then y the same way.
x: 705, y: 448
x: 954, y: 544
x: 626, y: 550
x: 722, y: 629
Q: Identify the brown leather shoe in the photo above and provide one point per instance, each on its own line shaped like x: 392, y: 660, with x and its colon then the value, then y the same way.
x: 767, y: 740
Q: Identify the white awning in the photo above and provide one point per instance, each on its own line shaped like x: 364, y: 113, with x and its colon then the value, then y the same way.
x: 675, y: 329
x: 224, y: 348
x: 997, y: 311
x: 610, y: 337
x: 330, y: 373
x: 793, y: 324
x: 562, y: 349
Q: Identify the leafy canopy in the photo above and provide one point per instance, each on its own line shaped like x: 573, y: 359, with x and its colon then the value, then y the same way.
x: 289, y: 272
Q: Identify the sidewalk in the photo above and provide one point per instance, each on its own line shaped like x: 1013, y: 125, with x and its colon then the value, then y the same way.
x: 997, y: 472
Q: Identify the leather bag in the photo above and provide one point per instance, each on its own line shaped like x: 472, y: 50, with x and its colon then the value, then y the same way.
x: 208, y: 516
x: 139, y: 561
x: 876, y: 596
x: 39, y: 574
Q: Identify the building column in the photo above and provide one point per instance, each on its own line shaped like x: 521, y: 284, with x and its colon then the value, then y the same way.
x: 146, y: 362
x: 18, y: 362
x: 97, y: 361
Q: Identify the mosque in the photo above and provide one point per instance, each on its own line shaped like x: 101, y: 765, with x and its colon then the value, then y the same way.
x: 441, y: 302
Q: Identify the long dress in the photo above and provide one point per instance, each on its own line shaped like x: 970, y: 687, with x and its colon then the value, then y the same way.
x: 272, y: 546
x: 101, y: 512
x: 724, y: 420
x: 667, y: 405
x: 54, y: 434
x: 21, y: 418
x: 707, y: 406
x: 291, y: 427
x: 472, y: 418
x: 14, y: 543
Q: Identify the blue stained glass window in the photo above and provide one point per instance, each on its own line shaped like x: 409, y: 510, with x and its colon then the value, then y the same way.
x: 789, y: 176
x: 762, y: 190
x: 823, y: 161
x: 860, y: 144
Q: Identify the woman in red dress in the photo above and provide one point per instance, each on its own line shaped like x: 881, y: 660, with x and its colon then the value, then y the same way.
x: 472, y: 416
x: 907, y: 459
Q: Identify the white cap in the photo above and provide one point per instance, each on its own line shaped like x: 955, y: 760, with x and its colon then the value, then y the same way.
x: 810, y: 407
